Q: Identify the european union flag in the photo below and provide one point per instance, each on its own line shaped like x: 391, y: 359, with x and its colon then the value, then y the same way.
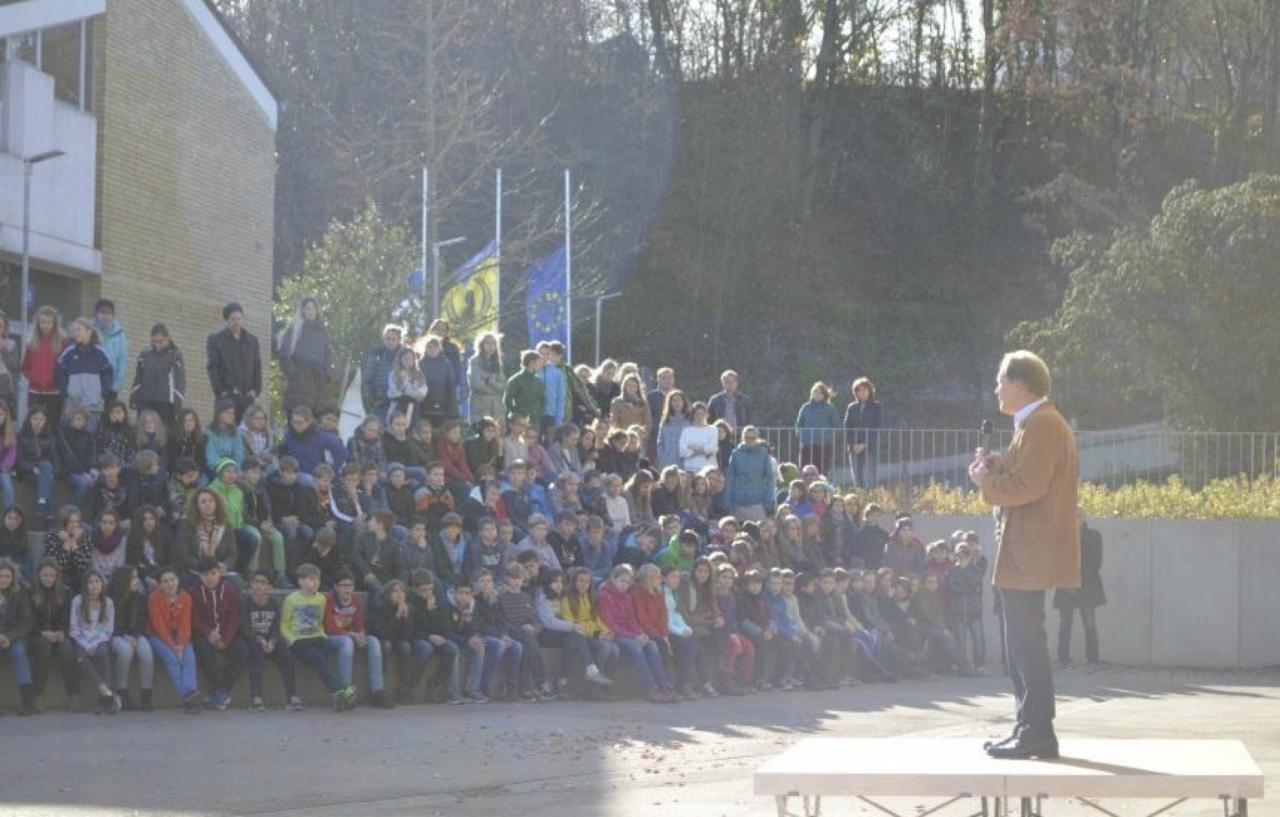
x: 545, y: 301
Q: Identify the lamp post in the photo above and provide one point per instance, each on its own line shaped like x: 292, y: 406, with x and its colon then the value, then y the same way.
x: 28, y: 166
x: 435, y: 271
x: 600, y: 299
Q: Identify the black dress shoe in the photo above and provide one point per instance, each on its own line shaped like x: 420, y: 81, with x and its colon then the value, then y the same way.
x: 1025, y: 747
x: 1017, y: 730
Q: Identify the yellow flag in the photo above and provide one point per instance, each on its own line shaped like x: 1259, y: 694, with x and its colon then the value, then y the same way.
x: 471, y: 305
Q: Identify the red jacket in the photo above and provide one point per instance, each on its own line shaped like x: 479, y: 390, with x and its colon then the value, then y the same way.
x: 617, y: 611
x: 217, y: 609
x: 341, y: 619
x: 37, y: 365
x: 651, y: 612
x: 454, y: 459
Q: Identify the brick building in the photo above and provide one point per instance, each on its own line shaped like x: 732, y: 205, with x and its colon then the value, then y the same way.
x: 163, y: 199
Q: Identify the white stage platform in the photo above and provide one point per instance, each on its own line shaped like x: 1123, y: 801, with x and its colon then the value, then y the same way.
x: 952, y: 768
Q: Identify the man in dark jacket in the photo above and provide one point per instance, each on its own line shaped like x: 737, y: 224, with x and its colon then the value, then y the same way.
x: 730, y: 405
x: 160, y: 383
x: 235, y: 362
x: 1086, y: 598
x: 376, y: 557
x: 441, y: 374
x: 377, y: 369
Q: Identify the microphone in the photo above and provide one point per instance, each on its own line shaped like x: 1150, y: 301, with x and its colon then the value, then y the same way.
x: 988, y: 434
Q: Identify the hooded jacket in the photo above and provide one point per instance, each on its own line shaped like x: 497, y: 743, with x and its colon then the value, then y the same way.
x: 161, y: 377
x: 216, y: 609
x: 750, y: 479
x: 309, y: 448
x: 116, y: 345
x: 85, y: 376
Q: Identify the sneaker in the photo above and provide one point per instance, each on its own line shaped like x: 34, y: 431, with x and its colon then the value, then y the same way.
x: 256, y: 704
x: 546, y: 693
x: 529, y: 696
x: 221, y: 701
x: 709, y: 690
x: 477, y: 698
x: 294, y: 704
x: 348, y: 698
x: 595, y: 676
x: 455, y: 699
x: 192, y: 703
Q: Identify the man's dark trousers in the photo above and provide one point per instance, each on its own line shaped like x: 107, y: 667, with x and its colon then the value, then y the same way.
x: 1029, y: 665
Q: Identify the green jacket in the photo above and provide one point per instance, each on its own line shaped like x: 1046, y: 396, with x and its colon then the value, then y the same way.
x: 673, y: 555
x: 232, y: 497
x: 524, y: 395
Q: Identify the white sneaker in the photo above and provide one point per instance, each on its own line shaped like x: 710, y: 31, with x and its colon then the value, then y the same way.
x: 595, y: 676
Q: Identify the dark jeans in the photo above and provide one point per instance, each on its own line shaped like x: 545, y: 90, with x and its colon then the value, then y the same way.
x: 1029, y: 665
x: 166, y: 411
x: 43, y: 653
x: 222, y: 666
x: 314, y: 652
x: 864, y: 468
x: 258, y: 662
x: 1088, y: 617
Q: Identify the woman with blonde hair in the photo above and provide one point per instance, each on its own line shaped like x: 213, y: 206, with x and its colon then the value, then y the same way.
x: 303, y: 349
x: 630, y: 407
x: 816, y: 426
x: 486, y: 381
x: 44, y: 343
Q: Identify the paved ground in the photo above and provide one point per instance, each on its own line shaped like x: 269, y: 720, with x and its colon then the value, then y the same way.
x: 542, y: 760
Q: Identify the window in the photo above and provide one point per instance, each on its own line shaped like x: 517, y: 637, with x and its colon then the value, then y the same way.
x: 59, y: 291
x: 60, y: 58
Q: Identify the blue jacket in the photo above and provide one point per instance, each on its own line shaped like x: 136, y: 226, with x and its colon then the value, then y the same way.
x: 669, y: 441
x: 553, y: 393
x: 221, y: 446
x: 778, y: 615
x: 816, y: 423
x: 84, y: 375
x: 749, y: 479
x: 309, y: 449
x: 116, y: 345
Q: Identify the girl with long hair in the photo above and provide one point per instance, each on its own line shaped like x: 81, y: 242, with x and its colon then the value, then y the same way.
x: 50, y: 641
x: 36, y: 457
x: 187, y: 441
x: 92, y: 626
x: 8, y: 454
x: 305, y: 356
x: 129, y: 642
x: 486, y: 381
x: 675, y: 419
x: 147, y: 545
x: 630, y: 407
x: 45, y: 342
x: 406, y: 385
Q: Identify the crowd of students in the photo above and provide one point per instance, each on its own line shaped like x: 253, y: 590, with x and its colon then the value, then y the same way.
x: 571, y: 508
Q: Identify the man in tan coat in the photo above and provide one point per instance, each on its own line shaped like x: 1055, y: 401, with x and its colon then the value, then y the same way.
x: 1038, y: 540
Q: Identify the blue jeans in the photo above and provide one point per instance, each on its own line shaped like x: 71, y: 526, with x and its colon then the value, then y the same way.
x: 181, y: 668
x: 314, y: 652
x: 80, y: 485
x: 6, y: 489
x: 345, y: 646
x: 448, y: 652
x: 494, y: 650
x: 691, y: 659
x: 124, y: 651
x: 480, y: 666
x: 18, y: 660
x: 43, y: 473
x: 648, y: 661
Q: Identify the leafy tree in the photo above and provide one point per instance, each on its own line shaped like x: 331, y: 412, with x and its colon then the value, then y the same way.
x: 1181, y: 312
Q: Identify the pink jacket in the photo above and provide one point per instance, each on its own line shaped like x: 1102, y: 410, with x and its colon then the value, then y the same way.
x: 617, y: 612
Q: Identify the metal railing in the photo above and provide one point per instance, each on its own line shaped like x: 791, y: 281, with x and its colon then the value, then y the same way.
x: 915, y: 457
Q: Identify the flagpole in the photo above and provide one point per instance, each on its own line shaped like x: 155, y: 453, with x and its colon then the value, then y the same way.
x: 497, y: 255
x: 568, y: 269
x: 426, y: 187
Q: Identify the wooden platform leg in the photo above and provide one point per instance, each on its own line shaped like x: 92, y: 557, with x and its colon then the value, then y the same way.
x: 1242, y: 807
x: 781, y: 802
x: 984, y: 807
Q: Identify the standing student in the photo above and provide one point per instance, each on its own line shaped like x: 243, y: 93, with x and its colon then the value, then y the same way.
x: 260, y: 618
x: 84, y: 374
x: 303, y: 350
x: 39, y: 358
x: 699, y: 441
x: 234, y: 361
x: 344, y: 627
x: 215, y: 630
x: 525, y: 394
x: 114, y: 341
x: 302, y: 625
x: 129, y: 640
x: 170, y: 613
x: 485, y: 380
x: 377, y: 367
x: 15, y: 625
x: 617, y: 611
x: 1087, y: 599
x: 160, y: 382
x: 816, y: 426
x: 92, y: 625
x: 441, y: 374
x: 675, y: 419
x: 50, y: 639
x: 729, y: 404
x: 862, y: 421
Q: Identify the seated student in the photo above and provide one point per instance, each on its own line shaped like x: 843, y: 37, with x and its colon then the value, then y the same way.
x: 964, y: 593
x: 110, y: 492
x: 564, y: 541
x: 327, y: 557
x: 434, y: 499
x: 492, y: 626
x: 13, y: 537
x: 485, y: 551
x: 465, y: 634
x: 755, y: 621
x: 169, y: 609
x: 259, y: 439
x: 293, y: 512
x: 513, y: 445
x: 691, y: 657
x: 344, y: 505
x: 506, y: 537
x: 50, y: 620
x: 518, y: 499
x: 739, y: 652
x: 639, y: 546
x: 186, y: 442
x: 108, y: 541
x: 451, y: 550
x: 147, y: 484
x: 183, y: 484
x: 322, y: 492
x: 37, y: 453
x: 431, y: 630
x: 153, y: 436
x: 92, y: 625
x: 390, y: 622
x: 257, y: 517
x: 401, y: 448
x: 790, y: 643
x: 485, y: 449
x: 376, y: 558
x: 398, y: 495
x: 848, y: 666
x: 824, y: 645
x: 420, y: 443
x: 617, y: 611
x: 417, y: 551
x: 808, y: 650
x: 215, y: 630
x: 597, y: 551
x: 260, y: 619
x: 617, y: 507
x: 115, y: 433
x: 344, y: 626
x: 536, y: 542
x: 521, y: 620
x: 928, y: 608
x: 572, y: 638
x: 865, y: 604
x: 222, y: 439
x: 68, y: 546
x: 76, y: 454
x: 226, y: 484
x: 867, y: 643
x: 453, y: 456
x: 310, y: 444
x: 328, y: 420
x: 15, y: 625
x: 563, y: 452
x: 302, y: 626
x: 680, y: 552
x: 372, y: 494
x: 205, y: 531
x: 129, y: 638
x: 365, y: 446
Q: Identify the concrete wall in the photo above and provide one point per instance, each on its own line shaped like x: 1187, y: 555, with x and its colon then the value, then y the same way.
x: 1180, y: 593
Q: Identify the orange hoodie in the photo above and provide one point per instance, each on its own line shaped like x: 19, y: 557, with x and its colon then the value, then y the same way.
x: 171, y: 621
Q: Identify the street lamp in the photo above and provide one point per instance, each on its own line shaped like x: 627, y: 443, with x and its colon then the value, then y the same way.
x: 28, y: 166
x: 435, y: 271
x: 600, y: 299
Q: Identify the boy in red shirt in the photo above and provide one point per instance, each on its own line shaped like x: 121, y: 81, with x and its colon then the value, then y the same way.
x: 345, y: 628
